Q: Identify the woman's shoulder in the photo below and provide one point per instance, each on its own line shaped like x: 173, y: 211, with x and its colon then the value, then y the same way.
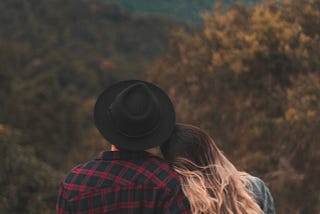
x: 261, y: 194
x: 257, y: 185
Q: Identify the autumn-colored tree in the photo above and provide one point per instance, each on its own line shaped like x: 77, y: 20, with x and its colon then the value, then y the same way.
x: 234, y: 77
x: 298, y: 148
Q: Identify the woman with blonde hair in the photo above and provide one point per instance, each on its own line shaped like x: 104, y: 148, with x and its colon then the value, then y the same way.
x: 209, y: 180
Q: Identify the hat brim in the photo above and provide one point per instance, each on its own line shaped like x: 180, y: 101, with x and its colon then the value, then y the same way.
x: 155, y: 138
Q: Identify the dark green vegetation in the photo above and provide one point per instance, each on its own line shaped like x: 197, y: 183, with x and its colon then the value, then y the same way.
x: 55, y: 57
x: 28, y: 185
x: 249, y: 77
x: 181, y: 9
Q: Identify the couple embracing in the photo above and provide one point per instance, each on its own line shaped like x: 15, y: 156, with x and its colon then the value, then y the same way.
x: 156, y: 165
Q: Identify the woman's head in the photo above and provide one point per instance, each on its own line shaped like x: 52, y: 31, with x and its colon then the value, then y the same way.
x: 189, y: 143
x: 209, y: 180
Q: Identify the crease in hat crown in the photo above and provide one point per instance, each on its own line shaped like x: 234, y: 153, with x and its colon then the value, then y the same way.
x: 135, y: 111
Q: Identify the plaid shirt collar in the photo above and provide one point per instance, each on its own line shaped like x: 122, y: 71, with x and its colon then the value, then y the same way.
x: 124, y: 155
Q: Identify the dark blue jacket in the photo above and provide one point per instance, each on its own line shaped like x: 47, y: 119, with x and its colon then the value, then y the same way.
x: 262, y: 195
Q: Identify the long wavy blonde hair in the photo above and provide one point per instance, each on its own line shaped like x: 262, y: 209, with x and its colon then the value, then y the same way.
x: 209, y: 180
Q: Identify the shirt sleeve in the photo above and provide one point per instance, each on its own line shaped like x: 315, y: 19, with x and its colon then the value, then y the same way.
x: 62, y: 206
x: 177, y: 202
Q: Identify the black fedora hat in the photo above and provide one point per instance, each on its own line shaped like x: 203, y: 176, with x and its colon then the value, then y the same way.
x: 134, y: 115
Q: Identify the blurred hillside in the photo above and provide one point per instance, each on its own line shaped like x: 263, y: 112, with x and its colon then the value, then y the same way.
x: 249, y: 75
x: 55, y: 57
x: 180, y: 9
x: 82, y: 37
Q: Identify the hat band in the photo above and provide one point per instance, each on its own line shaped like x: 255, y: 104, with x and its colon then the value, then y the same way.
x: 124, y: 133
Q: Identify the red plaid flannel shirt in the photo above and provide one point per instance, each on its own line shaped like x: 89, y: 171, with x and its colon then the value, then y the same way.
x: 122, y: 182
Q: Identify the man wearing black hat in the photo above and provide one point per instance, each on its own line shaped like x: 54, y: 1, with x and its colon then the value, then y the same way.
x: 136, y: 117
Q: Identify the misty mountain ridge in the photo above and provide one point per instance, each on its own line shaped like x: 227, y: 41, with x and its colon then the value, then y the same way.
x: 181, y: 9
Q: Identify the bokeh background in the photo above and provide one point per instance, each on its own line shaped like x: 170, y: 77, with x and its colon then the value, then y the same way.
x: 245, y: 71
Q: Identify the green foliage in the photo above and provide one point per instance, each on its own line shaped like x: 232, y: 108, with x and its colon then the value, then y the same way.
x: 27, y: 184
x: 81, y: 37
x: 56, y: 55
x: 55, y: 58
x: 50, y: 119
x: 250, y: 78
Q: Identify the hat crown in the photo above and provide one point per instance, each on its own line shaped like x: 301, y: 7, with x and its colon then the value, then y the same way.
x: 135, y: 111
x: 134, y: 115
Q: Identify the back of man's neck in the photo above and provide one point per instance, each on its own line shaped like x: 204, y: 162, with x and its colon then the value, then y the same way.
x: 155, y: 151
